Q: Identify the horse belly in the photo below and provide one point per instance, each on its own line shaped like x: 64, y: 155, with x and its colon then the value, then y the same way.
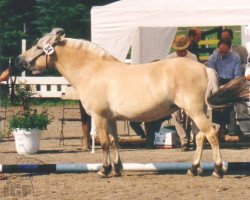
x: 142, y: 110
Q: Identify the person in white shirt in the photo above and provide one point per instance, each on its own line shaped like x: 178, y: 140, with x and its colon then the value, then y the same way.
x: 180, y: 45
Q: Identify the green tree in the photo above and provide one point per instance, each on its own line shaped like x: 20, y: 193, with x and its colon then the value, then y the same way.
x: 13, y: 15
x: 30, y: 19
x: 73, y: 16
x: 70, y: 15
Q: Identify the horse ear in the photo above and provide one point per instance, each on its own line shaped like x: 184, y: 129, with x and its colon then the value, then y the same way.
x: 57, y: 34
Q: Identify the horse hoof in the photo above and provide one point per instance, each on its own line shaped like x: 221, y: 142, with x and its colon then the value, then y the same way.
x: 219, y: 169
x: 189, y: 172
x: 105, y: 171
x: 199, y: 171
x: 117, y: 170
x: 117, y: 173
x: 217, y: 175
x: 195, y: 170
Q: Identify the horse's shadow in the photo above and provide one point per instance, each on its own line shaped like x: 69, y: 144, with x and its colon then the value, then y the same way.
x: 48, y: 151
x: 52, y: 151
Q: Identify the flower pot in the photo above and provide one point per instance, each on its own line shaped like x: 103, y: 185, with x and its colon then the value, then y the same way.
x: 27, y: 141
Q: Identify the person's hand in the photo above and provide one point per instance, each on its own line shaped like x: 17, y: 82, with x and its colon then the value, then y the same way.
x: 5, y: 75
x: 248, y: 77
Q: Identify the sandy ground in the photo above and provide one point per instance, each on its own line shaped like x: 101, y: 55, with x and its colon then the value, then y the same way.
x: 132, y: 185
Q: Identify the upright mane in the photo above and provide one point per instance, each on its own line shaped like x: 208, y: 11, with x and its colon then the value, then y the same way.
x: 85, y: 45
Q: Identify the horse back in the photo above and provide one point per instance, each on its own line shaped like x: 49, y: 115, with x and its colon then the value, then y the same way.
x: 154, y: 89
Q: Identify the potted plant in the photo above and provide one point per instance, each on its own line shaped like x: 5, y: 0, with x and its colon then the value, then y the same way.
x: 26, y: 124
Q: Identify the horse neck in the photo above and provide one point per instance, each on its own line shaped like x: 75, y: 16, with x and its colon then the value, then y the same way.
x: 76, y: 63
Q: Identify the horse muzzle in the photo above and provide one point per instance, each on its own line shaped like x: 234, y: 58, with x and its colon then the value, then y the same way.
x: 23, y: 64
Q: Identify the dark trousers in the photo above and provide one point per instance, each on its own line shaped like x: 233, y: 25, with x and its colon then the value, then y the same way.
x: 222, y: 116
x: 136, y: 126
x: 150, y: 129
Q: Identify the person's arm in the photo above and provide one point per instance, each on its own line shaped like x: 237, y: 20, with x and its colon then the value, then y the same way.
x: 237, y: 69
x: 211, y: 62
x: 247, y: 72
x: 5, y: 75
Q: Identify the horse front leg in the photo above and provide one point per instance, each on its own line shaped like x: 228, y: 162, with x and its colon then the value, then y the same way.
x: 118, y: 167
x: 102, y: 129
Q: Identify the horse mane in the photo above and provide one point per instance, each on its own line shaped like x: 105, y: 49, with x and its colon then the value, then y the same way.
x: 85, y: 45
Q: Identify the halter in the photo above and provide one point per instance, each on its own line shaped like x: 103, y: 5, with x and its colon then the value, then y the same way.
x: 48, y: 50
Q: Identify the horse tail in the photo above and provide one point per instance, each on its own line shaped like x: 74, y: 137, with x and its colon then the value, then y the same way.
x: 212, y: 86
x: 237, y: 90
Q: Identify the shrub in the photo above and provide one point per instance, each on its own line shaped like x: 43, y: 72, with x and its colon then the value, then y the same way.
x: 26, y: 117
x: 30, y: 120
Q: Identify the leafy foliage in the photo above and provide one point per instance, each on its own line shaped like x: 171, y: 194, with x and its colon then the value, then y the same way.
x: 72, y: 16
x: 29, y: 120
x: 26, y: 117
x: 13, y: 15
x: 23, y: 95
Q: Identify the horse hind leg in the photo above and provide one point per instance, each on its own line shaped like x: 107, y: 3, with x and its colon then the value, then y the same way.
x: 210, y: 132
x: 196, y: 168
x: 118, y: 167
x: 86, y: 126
x: 86, y: 136
x: 219, y: 166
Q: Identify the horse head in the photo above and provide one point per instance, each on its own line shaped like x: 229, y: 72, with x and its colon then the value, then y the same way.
x: 40, y: 56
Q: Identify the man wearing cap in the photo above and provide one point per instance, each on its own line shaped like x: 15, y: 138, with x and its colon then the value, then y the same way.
x: 180, y: 45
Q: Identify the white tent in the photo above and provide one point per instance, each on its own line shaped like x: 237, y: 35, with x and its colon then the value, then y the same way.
x: 149, y: 26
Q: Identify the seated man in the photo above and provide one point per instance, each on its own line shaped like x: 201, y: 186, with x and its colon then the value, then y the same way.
x: 150, y: 129
x: 227, y: 34
x: 227, y: 64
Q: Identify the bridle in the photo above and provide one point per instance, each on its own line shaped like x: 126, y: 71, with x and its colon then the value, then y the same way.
x: 40, y: 52
x: 48, y: 50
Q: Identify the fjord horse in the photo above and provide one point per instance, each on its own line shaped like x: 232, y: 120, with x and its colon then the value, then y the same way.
x: 110, y: 90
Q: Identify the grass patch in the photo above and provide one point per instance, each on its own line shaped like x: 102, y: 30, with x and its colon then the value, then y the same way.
x: 5, y: 101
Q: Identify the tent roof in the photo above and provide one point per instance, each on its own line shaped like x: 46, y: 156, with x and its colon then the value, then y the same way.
x: 115, y: 24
